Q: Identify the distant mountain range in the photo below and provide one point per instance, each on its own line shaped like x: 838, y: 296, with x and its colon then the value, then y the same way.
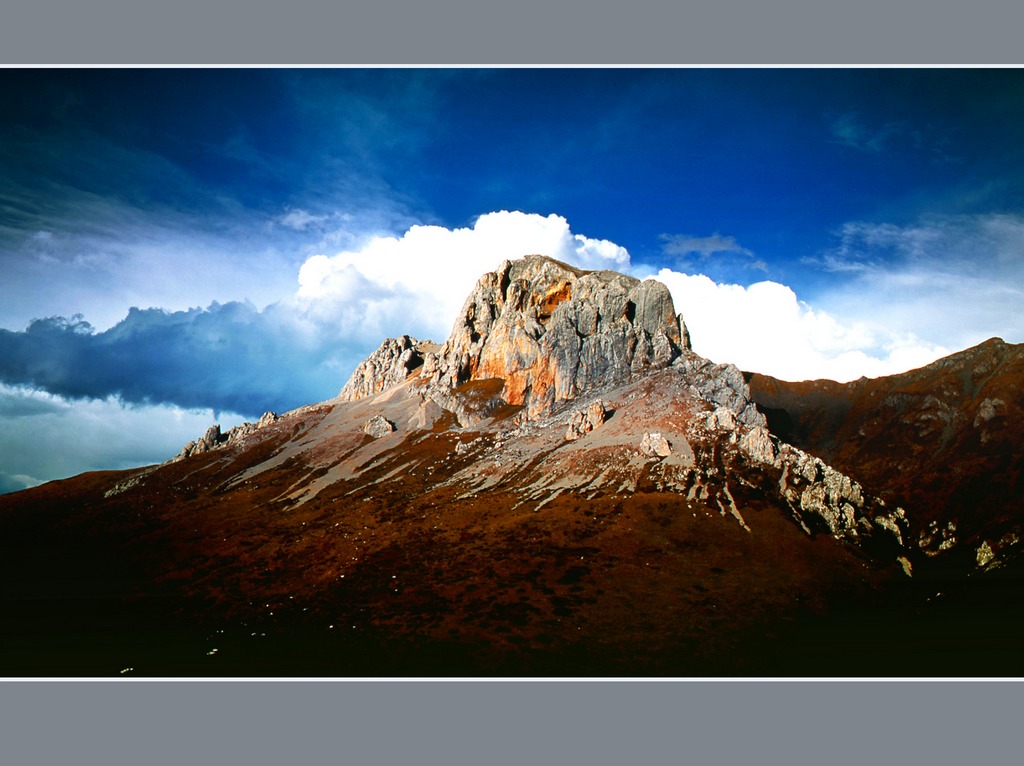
x: 562, y: 488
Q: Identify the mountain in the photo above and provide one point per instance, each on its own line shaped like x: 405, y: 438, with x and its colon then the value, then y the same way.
x: 944, y: 440
x: 561, y: 488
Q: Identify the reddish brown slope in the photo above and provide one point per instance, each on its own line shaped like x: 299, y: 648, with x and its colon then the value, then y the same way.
x: 310, y: 548
x: 944, y: 441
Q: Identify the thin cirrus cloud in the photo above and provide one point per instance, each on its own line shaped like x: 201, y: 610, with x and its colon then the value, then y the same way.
x: 694, y: 252
x: 100, y: 256
x: 300, y: 220
x: 684, y: 244
x: 850, y: 130
x: 955, y: 278
x: 867, y: 136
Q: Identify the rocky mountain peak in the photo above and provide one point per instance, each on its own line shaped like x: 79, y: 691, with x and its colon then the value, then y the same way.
x: 548, y: 330
x: 393, y: 361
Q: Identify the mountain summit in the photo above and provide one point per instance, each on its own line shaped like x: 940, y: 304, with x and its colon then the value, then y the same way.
x: 547, y: 330
x: 562, y: 487
x: 537, y: 334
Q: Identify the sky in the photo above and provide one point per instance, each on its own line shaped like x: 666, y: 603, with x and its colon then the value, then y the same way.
x: 180, y: 247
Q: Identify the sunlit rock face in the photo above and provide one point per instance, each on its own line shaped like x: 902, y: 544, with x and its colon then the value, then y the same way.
x: 551, y: 331
x: 546, y: 329
x: 388, y: 366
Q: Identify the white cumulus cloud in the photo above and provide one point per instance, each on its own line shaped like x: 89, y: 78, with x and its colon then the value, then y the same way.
x: 417, y: 283
x: 766, y: 328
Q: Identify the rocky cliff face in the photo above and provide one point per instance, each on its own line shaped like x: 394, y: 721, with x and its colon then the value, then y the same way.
x: 549, y: 331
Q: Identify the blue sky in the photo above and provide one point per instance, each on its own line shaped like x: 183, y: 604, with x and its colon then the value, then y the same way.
x: 179, y: 246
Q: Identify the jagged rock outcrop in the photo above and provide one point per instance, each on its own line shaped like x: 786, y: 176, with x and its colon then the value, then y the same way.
x: 817, y: 489
x: 214, y: 439
x: 547, y: 330
x: 551, y: 332
x: 722, y: 385
x: 389, y: 365
x: 537, y: 333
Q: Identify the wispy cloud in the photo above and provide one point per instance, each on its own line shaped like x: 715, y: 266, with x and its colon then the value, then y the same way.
x: 685, y: 244
x: 955, y: 279
x: 852, y: 130
x: 101, y: 256
x: 694, y: 252
x: 991, y: 243
x: 300, y: 219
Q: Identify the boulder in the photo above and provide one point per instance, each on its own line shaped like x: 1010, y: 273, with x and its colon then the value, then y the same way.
x: 378, y: 426
x: 655, y: 445
x: 585, y: 420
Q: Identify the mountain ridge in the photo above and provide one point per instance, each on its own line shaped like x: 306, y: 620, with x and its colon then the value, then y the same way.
x: 939, y: 438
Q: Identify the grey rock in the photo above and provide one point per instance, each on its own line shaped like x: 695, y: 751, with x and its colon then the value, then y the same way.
x: 266, y: 419
x: 551, y: 332
x: 210, y: 439
x: 759, y: 444
x: 470, y: 403
x: 393, y: 361
x: 585, y: 420
x: 822, y: 496
x: 378, y: 426
x: 987, y: 410
x: 655, y: 445
x: 722, y: 385
x: 214, y: 439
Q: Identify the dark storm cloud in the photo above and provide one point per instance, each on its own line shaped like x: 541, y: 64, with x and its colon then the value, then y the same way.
x: 10, y: 483
x: 227, y: 357
x: 26, y: 406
